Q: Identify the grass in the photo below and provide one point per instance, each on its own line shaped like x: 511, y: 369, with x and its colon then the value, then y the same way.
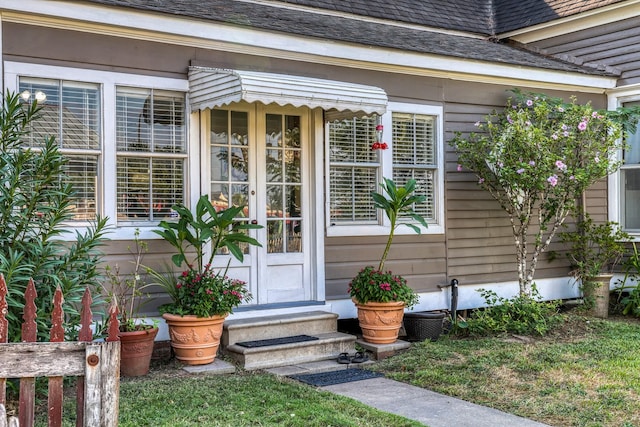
x: 246, y: 399
x: 585, y: 374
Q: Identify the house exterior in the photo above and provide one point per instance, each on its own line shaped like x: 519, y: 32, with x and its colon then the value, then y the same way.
x: 274, y: 105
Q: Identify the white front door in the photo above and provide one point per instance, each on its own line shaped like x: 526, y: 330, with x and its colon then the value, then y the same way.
x: 258, y: 157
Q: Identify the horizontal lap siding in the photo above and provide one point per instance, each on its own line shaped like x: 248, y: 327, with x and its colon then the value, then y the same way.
x: 615, y: 45
x: 420, y: 259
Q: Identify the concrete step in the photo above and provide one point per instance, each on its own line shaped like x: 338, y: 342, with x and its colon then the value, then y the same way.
x: 277, y: 326
x: 328, y: 346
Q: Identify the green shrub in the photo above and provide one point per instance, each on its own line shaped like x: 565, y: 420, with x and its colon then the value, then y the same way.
x: 35, y: 203
x: 523, y: 315
x: 628, y: 289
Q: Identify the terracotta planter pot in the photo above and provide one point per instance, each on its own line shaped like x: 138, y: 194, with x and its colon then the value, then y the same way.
x: 380, y: 322
x: 195, y: 340
x: 135, y: 352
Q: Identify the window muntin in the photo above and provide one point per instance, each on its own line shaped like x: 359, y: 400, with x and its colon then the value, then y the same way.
x: 151, y: 153
x: 72, y: 114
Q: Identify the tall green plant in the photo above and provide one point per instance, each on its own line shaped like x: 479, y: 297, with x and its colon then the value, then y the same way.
x: 397, y: 202
x: 195, y: 230
x: 35, y: 203
x: 536, y: 158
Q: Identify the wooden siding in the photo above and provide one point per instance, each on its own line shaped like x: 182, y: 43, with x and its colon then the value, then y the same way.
x: 614, y: 45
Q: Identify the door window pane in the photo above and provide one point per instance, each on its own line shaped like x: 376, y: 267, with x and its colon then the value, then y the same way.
x: 284, y: 191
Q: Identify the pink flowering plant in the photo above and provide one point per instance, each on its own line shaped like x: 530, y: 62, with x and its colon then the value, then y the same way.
x: 536, y: 158
x: 374, y: 284
x: 205, y: 293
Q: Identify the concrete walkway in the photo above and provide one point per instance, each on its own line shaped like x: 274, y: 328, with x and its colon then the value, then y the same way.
x: 427, y: 407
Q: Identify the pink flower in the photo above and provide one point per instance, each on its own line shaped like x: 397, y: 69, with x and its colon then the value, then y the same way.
x: 529, y: 103
x: 532, y: 163
x: 520, y: 171
x: 459, y: 168
x: 385, y: 286
x: 560, y: 165
x: 594, y: 115
x: 566, y: 133
x: 582, y: 125
x: 561, y: 109
x: 477, y: 124
x: 553, y: 180
x: 509, y: 119
x: 554, y: 136
x: 596, y: 159
x: 481, y: 180
x: 209, y: 291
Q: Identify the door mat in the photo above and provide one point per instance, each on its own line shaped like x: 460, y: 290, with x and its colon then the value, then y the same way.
x: 322, y: 379
x: 277, y: 341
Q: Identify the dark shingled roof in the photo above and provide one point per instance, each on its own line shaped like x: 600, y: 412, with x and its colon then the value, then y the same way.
x: 513, y: 14
x: 341, y: 28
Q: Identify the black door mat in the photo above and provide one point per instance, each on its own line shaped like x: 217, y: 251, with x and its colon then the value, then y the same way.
x: 322, y: 379
x: 276, y: 341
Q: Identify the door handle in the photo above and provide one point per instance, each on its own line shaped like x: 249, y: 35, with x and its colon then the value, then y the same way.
x: 254, y: 221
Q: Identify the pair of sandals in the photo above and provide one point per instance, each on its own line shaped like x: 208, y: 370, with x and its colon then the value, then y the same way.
x: 359, y: 357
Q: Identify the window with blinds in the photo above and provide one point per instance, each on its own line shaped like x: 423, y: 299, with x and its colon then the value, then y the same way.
x: 353, y: 171
x: 151, y: 153
x: 71, y: 113
x: 414, y: 157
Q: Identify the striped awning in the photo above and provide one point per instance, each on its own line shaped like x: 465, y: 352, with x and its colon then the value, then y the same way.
x: 214, y: 87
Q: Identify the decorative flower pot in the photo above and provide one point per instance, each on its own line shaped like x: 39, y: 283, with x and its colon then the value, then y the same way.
x: 136, y: 348
x: 380, y: 322
x: 195, y: 340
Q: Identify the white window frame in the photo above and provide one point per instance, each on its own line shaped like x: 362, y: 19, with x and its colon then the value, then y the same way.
x: 108, y: 81
x: 386, y: 169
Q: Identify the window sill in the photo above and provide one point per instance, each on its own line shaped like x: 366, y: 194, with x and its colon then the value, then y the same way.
x: 378, y: 230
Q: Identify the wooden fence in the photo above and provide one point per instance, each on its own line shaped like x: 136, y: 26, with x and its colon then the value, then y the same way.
x: 95, y: 364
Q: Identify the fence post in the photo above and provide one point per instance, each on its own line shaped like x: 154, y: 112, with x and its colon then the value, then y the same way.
x: 56, y: 383
x: 26, y: 411
x: 4, y: 332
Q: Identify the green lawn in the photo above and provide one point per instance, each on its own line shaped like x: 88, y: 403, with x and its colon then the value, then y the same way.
x: 247, y: 399
x: 585, y: 374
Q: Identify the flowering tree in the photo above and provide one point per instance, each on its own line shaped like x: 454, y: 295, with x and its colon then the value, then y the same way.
x: 536, y: 158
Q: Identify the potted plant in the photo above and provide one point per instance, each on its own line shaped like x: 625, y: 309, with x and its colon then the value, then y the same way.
x: 594, y: 251
x: 136, y: 336
x: 379, y: 295
x: 202, y: 297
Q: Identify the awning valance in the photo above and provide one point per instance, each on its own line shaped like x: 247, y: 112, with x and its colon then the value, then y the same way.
x: 214, y: 87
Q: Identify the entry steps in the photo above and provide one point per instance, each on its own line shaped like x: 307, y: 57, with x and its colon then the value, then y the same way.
x: 320, y: 324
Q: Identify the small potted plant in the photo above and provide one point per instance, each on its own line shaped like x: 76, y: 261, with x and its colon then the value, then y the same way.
x: 379, y: 295
x: 202, y: 297
x: 594, y: 251
x: 136, y: 336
